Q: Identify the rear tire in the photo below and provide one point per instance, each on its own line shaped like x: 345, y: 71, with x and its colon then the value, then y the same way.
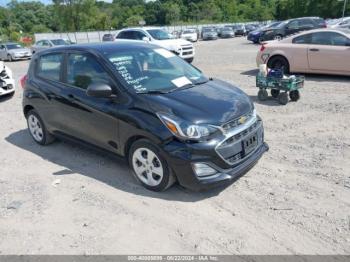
x: 37, y: 128
x: 283, y: 98
x: 279, y: 62
x: 275, y: 93
x: 294, y: 95
x: 262, y: 95
x: 149, y: 167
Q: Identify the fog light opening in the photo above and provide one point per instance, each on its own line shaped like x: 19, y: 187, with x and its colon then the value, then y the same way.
x: 203, y: 170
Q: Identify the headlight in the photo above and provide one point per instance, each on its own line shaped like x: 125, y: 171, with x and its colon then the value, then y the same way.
x: 185, y: 130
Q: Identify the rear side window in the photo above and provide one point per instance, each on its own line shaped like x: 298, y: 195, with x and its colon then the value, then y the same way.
x: 49, y: 66
x: 329, y: 38
x: 303, y: 39
x: 126, y: 35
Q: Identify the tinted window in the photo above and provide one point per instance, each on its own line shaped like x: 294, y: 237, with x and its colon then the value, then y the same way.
x: 126, y: 35
x: 13, y: 46
x: 306, y: 23
x: 293, y: 24
x: 303, y: 39
x: 59, y: 42
x: 329, y: 38
x: 83, y: 70
x: 139, y: 35
x: 49, y: 66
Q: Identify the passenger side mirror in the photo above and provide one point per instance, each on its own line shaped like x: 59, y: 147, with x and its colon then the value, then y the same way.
x: 100, y: 90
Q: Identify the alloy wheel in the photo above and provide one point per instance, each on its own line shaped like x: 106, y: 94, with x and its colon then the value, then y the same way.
x: 35, y: 128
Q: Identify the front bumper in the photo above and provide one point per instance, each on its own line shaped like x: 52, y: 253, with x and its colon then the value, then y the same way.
x: 253, y: 37
x: 181, y: 156
x: 7, y: 88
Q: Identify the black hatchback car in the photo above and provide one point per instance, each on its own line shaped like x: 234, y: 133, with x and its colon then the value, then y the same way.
x: 292, y: 26
x: 143, y: 102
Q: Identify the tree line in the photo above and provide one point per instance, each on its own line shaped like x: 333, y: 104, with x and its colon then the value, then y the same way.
x: 26, y: 18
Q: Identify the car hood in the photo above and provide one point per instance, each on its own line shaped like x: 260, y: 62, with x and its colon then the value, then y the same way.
x: 172, y: 43
x: 19, y: 50
x: 215, y: 102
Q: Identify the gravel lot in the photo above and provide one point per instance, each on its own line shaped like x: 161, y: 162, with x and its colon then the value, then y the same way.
x: 65, y: 199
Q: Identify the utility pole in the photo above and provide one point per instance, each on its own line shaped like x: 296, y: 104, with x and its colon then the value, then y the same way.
x: 345, y: 2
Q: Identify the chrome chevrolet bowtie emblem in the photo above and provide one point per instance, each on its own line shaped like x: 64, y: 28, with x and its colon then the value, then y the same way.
x: 242, y: 120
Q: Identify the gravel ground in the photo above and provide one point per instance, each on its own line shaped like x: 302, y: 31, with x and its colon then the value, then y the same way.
x: 65, y: 199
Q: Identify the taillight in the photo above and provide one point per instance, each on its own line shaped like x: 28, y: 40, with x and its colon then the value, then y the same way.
x: 24, y: 81
x: 262, y: 48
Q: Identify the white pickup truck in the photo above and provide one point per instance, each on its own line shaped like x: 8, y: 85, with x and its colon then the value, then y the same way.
x: 160, y: 37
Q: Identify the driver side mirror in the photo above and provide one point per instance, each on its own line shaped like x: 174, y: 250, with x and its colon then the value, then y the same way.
x: 99, y: 90
x: 146, y: 39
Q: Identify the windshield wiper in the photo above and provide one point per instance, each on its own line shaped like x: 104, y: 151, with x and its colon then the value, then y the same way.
x: 153, y: 92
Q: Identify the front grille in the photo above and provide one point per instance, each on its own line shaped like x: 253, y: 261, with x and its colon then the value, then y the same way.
x: 231, y: 149
x: 187, y: 48
x: 240, y: 135
x: 237, y: 122
x: 187, y: 53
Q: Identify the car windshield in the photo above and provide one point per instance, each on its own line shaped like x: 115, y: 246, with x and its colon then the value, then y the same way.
x: 227, y: 29
x: 148, y: 70
x: 209, y: 30
x: 189, y: 31
x: 59, y: 42
x: 159, y: 34
x: 13, y: 46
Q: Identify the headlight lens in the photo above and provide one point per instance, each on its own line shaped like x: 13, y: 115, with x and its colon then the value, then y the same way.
x: 185, y: 130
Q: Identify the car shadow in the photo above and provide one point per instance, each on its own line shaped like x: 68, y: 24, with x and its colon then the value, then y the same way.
x: 327, y: 78
x: 270, y: 101
x: 106, y: 168
x: 253, y: 72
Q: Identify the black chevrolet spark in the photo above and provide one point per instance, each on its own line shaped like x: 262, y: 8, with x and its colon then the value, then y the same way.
x: 145, y: 103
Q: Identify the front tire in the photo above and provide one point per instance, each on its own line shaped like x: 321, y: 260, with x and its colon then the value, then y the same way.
x: 9, y: 58
x: 149, y: 167
x: 37, y: 129
x: 189, y: 60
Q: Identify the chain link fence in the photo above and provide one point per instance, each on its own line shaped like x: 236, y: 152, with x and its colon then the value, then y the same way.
x: 96, y: 36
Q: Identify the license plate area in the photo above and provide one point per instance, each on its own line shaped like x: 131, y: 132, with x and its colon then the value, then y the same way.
x: 250, y: 143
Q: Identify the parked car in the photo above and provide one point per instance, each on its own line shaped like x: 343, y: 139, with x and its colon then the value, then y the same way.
x: 144, y: 103
x: 227, y: 32
x: 7, y: 83
x: 255, y: 36
x: 14, y: 51
x: 239, y: 30
x: 339, y: 23
x: 292, y: 26
x: 158, y: 36
x: 324, y: 51
x: 48, y: 43
x: 209, y: 33
x: 250, y: 27
x: 189, y: 35
x: 108, y: 37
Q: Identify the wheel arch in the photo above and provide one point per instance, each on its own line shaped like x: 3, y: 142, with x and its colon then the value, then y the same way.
x: 279, y: 54
x: 27, y: 108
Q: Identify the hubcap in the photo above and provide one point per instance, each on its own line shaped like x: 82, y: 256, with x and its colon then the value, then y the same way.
x: 35, y: 128
x: 147, y: 166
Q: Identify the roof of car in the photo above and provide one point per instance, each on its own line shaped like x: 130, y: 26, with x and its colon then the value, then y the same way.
x: 100, y: 47
x: 142, y: 28
x: 9, y: 43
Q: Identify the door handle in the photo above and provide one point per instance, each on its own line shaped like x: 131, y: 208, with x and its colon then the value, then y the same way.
x: 314, y: 50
